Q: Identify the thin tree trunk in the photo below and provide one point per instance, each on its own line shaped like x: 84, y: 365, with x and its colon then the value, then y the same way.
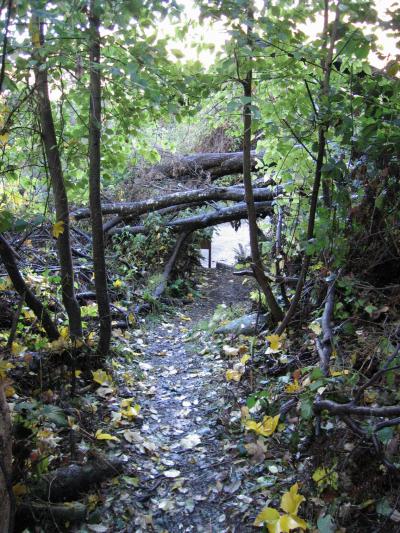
x: 99, y: 263
x: 257, y: 265
x: 57, y: 180
x: 7, y: 500
x: 7, y: 256
x: 318, y: 170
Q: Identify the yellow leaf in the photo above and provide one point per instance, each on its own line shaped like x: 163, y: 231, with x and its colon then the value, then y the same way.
x: 4, y: 367
x: 9, y: 391
x: 127, y: 402
x: 293, y: 387
x: 4, y: 138
x: 58, y: 228
x: 265, y: 428
x: 245, y: 358
x: 17, y: 349
x: 274, y: 342
x: 131, y: 412
x: 288, y: 522
x: 19, y: 489
x: 58, y: 344
x: 233, y: 375
x: 117, y: 283
x: 267, y: 516
x: 335, y: 373
x: 64, y: 332
x: 291, y: 500
x: 315, y: 327
x: 104, y: 436
x: 320, y: 474
x: 101, y: 377
x: 78, y: 373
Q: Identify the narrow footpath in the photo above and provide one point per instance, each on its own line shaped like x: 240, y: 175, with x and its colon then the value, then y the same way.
x: 188, y: 474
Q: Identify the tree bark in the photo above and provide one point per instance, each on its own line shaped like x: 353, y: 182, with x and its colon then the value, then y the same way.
x: 7, y: 500
x: 211, y: 218
x: 204, y: 165
x: 57, y: 180
x: 193, y: 196
x: 160, y: 289
x: 68, y: 482
x: 99, y: 264
x: 257, y: 265
x: 317, y: 177
x: 7, y: 256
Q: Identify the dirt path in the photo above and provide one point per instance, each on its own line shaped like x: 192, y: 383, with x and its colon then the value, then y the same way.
x: 189, y: 473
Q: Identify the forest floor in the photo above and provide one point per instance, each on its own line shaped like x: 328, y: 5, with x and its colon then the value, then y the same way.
x: 184, y: 461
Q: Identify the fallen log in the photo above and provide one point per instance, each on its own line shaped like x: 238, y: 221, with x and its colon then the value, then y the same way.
x: 160, y: 289
x: 207, y: 165
x: 56, y: 512
x: 68, y: 482
x: 41, y: 313
x: 193, y: 196
x: 210, y: 218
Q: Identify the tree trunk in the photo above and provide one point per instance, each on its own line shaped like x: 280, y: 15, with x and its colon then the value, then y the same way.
x: 205, y: 220
x: 7, y: 256
x: 257, y: 266
x: 57, y: 180
x: 318, y: 173
x: 7, y: 501
x: 203, y: 165
x: 99, y: 264
x: 193, y: 196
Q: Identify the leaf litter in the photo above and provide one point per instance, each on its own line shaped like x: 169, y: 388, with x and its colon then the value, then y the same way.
x: 189, y: 474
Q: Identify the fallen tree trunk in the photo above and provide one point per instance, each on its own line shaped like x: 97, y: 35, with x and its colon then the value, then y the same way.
x: 7, y: 256
x: 207, y: 165
x: 160, y: 289
x: 193, y: 196
x: 68, y: 482
x: 56, y: 512
x: 211, y: 218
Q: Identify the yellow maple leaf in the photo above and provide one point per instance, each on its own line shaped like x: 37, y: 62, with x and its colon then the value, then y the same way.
x: 274, y: 342
x: 245, y: 358
x: 117, y: 284
x: 233, y: 375
x: 277, y: 523
x: 265, y: 428
x: 101, y: 377
x: 58, y: 228
x: 335, y: 373
x: 17, y: 349
x: 58, y: 344
x: 104, y: 436
x: 293, y: 387
x: 315, y: 327
x: 19, y: 489
x: 9, y: 391
x: 290, y: 501
x: 131, y: 412
x: 287, y: 522
x: 268, y: 515
x: 4, y: 367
